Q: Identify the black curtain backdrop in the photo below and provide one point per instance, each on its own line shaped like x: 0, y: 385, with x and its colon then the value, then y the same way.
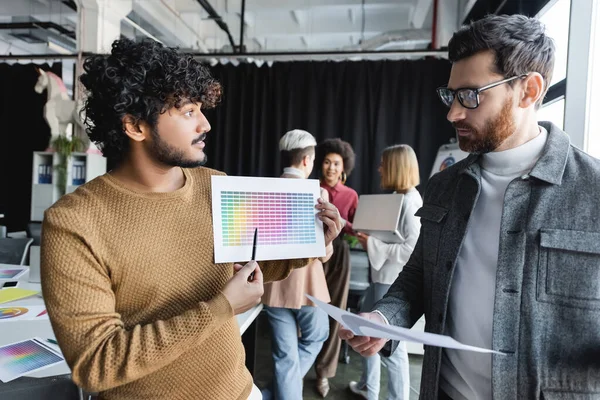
x: 370, y: 104
x: 23, y: 130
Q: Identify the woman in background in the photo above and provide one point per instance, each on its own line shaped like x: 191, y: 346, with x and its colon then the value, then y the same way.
x: 336, y: 158
x: 399, y: 171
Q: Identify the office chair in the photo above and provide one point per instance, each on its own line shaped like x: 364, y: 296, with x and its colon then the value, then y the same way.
x: 3, y: 229
x: 14, y: 250
x: 34, y: 231
x: 360, y: 277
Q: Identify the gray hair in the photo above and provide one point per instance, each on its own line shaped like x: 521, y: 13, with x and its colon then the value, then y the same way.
x: 519, y: 43
x: 296, y: 139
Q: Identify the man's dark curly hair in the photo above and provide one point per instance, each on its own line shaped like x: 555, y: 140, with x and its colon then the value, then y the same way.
x: 141, y: 79
x: 337, y: 146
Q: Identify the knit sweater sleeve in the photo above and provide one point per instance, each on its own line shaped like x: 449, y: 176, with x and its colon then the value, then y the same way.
x: 101, y: 352
x: 277, y: 270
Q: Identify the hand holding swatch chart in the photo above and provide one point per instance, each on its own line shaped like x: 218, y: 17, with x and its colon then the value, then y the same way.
x: 283, y: 211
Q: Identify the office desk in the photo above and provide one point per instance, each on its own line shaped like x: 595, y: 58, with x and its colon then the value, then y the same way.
x: 15, y: 331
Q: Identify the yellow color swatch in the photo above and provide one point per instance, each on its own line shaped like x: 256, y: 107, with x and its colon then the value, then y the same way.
x: 12, y: 294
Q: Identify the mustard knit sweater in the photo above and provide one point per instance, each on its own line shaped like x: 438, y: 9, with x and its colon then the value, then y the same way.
x: 134, y: 295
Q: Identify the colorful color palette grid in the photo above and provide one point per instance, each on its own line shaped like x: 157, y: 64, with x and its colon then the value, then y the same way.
x: 281, y: 218
x: 20, y: 358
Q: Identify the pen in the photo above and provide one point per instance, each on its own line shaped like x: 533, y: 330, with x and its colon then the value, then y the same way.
x: 251, y: 277
x: 254, y: 245
x: 52, y: 341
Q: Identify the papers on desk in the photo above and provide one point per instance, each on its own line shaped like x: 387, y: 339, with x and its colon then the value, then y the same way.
x: 12, y: 294
x: 12, y: 274
x: 363, y: 327
x: 25, y: 357
x: 18, y: 313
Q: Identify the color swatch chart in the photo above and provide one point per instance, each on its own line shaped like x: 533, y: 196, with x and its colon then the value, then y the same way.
x: 20, y: 358
x: 281, y: 218
x: 282, y: 210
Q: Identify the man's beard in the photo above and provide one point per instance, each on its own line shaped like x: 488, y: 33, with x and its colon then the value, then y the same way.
x: 494, y: 133
x: 169, y: 155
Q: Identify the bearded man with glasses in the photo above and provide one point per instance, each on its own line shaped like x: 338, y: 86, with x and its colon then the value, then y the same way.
x: 508, y: 256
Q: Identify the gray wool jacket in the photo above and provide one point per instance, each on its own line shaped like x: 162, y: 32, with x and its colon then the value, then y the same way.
x: 547, y: 298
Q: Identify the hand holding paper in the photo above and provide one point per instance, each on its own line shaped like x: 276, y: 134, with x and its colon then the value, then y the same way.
x: 364, y: 327
x: 330, y: 216
x: 365, y: 345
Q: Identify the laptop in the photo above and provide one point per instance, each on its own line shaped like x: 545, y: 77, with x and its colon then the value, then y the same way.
x: 378, y: 215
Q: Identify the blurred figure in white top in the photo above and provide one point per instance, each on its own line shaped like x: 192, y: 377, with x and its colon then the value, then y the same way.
x: 399, y: 171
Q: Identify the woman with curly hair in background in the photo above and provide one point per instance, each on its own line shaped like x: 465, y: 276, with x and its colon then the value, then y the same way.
x: 336, y: 159
x: 138, y: 306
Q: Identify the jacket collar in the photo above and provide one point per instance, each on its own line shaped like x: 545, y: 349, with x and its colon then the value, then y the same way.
x: 551, y: 165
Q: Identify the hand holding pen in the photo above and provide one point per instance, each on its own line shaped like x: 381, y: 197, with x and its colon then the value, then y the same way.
x: 245, y: 289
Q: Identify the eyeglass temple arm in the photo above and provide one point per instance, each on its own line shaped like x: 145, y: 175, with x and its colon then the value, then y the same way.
x: 491, y: 85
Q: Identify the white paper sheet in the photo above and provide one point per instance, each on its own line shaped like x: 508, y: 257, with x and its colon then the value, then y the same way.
x: 363, y: 327
x: 282, y: 209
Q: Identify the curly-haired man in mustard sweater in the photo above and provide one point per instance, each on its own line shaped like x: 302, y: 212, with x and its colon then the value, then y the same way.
x: 138, y: 306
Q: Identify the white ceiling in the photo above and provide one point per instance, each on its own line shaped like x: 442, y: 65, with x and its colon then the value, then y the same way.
x: 270, y: 25
x: 313, y: 25
x: 53, y: 11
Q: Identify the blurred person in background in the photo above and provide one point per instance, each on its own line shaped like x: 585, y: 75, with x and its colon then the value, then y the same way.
x: 399, y: 171
x: 336, y: 160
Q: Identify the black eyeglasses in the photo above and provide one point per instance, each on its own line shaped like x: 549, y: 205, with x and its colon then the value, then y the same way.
x: 469, y: 97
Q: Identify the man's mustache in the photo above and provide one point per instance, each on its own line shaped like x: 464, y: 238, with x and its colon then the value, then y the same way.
x: 199, y: 139
x: 462, y: 125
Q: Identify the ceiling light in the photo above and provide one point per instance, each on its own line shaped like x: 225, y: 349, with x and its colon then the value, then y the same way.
x: 139, y: 28
x: 58, y: 48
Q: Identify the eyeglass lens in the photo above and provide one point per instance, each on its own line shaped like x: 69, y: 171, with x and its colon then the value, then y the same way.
x: 466, y: 97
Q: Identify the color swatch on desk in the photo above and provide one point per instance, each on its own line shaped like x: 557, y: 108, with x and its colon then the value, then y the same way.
x: 21, y: 358
x: 281, y: 218
x: 11, y: 273
x: 12, y: 294
x: 22, y: 312
x: 12, y: 312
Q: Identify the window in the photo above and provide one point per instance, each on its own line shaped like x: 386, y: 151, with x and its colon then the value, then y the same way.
x: 556, y: 20
x: 593, y: 139
x: 555, y: 17
x: 553, y: 112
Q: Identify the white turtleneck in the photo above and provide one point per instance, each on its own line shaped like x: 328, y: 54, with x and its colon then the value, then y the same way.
x: 466, y: 374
